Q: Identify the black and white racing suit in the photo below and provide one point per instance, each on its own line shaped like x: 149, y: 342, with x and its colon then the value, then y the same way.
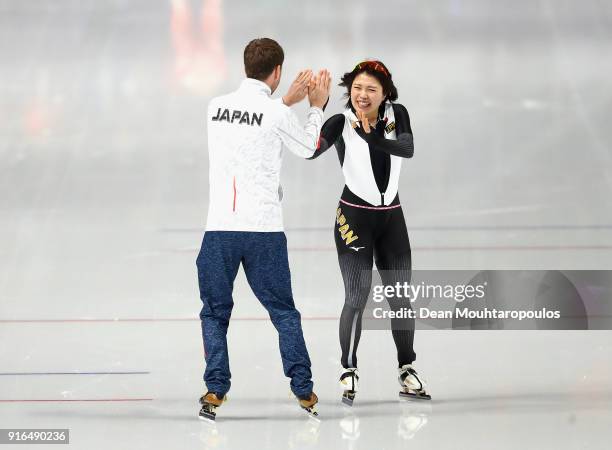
x: 369, y: 223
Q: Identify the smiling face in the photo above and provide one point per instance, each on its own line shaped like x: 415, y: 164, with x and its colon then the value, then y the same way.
x: 367, y: 94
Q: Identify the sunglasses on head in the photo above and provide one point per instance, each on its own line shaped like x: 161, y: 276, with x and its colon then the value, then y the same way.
x: 374, y: 65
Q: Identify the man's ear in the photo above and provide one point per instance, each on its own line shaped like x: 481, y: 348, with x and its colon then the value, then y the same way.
x: 277, y: 71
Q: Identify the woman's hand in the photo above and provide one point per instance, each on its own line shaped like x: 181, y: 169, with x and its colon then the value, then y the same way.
x: 318, y: 90
x: 365, y: 123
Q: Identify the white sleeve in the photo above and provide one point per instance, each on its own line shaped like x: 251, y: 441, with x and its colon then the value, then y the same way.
x: 300, y: 140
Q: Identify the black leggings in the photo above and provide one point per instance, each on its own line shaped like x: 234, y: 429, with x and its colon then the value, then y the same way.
x: 363, y: 235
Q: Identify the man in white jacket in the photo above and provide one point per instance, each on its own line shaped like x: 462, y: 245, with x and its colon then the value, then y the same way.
x: 247, y: 132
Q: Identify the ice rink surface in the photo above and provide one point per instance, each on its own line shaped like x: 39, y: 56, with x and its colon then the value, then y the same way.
x: 103, y: 198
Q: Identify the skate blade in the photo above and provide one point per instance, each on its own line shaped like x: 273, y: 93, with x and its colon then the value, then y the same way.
x: 415, y: 395
x: 207, y: 417
x: 208, y: 412
x: 312, y: 413
x: 348, y: 399
x: 314, y: 417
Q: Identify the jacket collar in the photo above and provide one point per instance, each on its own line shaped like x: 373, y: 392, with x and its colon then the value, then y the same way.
x: 255, y: 85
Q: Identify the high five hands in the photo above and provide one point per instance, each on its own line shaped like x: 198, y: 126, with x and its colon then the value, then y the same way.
x: 318, y: 89
x: 299, y: 88
x: 306, y: 83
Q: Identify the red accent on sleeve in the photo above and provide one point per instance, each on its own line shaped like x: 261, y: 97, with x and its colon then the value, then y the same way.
x: 234, y: 207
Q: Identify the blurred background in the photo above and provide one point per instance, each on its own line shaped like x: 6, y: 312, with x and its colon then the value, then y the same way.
x: 104, y: 193
x: 104, y: 161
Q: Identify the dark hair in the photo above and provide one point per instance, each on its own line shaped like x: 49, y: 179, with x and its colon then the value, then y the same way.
x: 261, y: 56
x: 378, y: 70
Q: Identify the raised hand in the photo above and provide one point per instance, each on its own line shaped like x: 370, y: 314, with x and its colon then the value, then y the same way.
x: 318, y: 89
x: 365, y: 123
x: 299, y: 88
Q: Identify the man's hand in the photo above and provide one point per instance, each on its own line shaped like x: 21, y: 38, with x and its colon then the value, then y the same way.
x: 365, y: 123
x: 299, y: 88
x: 318, y: 90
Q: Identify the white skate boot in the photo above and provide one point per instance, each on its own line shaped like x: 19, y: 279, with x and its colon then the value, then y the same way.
x: 349, y: 380
x: 413, y: 386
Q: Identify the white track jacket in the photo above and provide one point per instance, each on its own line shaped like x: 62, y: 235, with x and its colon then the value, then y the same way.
x: 247, y: 131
